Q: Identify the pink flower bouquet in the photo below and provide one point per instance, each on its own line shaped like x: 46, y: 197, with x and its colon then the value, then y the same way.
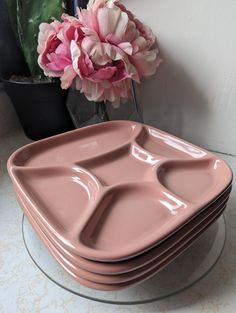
x: 100, y: 51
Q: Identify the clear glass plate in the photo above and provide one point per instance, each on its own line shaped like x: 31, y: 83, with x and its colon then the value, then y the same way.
x: 183, y: 272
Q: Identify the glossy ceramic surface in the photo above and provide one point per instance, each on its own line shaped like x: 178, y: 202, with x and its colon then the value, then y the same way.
x: 90, y: 183
x: 166, y: 249
x: 153, y: 270
x: 138, y: 262
x: 187, y: 269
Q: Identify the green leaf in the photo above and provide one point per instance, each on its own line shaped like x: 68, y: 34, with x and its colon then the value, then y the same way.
x: 27, y: 15
x: 11, y: 7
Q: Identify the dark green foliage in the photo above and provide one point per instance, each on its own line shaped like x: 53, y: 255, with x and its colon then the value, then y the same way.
x: 26, y: 16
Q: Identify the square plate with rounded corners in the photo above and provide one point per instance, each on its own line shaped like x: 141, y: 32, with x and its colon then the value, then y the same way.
x: 147, y: 274
x: 115, y: 190
x: 165, y: 250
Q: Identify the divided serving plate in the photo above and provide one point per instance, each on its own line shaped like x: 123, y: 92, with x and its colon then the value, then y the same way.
x: 112, y: 191
x: 162, y: 252
x: 138, y: 262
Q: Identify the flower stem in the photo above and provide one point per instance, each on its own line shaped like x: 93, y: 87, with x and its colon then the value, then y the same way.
x: 104, y: 114
x: 135, y: 101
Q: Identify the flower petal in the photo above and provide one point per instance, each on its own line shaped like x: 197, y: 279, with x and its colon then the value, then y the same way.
x: 67, y: 77
x: 104, y: 73
x: 146, y: 62
x: 112, y: 21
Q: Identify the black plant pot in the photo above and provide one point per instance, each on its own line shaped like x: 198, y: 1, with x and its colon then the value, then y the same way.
x: 40, y: 107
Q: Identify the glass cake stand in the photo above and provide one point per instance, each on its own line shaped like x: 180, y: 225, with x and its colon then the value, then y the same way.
x: 183, y: 272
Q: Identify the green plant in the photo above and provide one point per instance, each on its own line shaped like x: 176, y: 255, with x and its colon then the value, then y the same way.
x: 26, y: 16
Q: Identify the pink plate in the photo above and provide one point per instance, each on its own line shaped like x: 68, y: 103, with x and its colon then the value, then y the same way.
x: 166, y: 249
x: 138, y: 262
x: 168, y: 258
x: 111, y: 191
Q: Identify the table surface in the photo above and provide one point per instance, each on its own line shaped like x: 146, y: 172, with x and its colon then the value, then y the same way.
x: 23, y: 288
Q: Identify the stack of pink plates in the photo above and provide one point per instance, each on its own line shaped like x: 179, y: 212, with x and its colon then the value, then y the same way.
x: 116, y: 202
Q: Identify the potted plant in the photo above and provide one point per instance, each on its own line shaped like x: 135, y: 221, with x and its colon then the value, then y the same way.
x: 39, y: 101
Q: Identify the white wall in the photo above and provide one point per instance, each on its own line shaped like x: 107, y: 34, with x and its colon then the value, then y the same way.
x: 194, y: 93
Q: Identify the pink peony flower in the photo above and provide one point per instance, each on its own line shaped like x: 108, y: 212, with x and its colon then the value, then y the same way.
x: 102, y: 50
x: 54, y: 48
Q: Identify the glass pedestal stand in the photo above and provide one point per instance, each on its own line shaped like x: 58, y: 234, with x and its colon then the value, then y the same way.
x: 182, y: 273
